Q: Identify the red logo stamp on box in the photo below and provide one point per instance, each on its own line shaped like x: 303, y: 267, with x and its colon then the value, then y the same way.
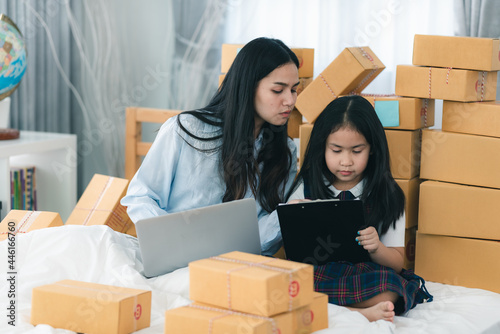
x: 293, y: 288
x: 138, y: 311
x: 308, y: 317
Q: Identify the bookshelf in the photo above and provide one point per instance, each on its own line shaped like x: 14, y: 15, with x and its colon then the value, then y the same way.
x: 55, y: 157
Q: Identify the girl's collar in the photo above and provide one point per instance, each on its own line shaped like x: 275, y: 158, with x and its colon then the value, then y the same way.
x: 357, y: 190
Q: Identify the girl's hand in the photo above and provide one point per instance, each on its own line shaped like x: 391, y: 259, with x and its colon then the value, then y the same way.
x: 295, y: 201
x: 368, y: 238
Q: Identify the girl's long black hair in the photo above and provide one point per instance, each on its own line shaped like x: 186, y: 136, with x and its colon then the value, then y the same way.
x: 383, y: 198
x: 232, y: 109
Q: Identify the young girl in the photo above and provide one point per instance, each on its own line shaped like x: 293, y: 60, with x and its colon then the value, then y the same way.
x: 233, y: 148
x: 348, y: 151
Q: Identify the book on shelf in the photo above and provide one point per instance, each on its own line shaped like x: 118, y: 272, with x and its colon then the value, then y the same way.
x: 23, y: 188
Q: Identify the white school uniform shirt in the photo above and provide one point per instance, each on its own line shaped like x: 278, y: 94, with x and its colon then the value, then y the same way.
x: 394, y: 237
x: 175, y: 177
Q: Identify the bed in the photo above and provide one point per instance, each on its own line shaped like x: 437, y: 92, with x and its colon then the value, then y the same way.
x: 101, y: 255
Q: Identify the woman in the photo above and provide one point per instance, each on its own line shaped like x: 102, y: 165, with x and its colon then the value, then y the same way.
x: 236, y: 147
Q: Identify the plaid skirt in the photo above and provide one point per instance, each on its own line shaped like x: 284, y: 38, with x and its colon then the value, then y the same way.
x: 347, y: 284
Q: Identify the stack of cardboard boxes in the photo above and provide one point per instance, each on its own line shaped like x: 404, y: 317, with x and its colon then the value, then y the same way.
x: 403, y: 119
x: 244, y: 293
x: 457, y: 239
x: 306, y: 72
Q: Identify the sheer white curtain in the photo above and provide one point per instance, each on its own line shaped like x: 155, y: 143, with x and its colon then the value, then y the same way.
x: 90, y: 59
x: 387, y: 27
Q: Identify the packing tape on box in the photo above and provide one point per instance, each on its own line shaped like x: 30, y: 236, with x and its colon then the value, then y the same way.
x: 328, y: 86
x: 480, y: 83
x: 482, y: 77
x: 262, y: 265
x: 26, y: 222
x: 372, y: 72
x: 117, y: 219
x: 225, y: 313
x: 106, y: 291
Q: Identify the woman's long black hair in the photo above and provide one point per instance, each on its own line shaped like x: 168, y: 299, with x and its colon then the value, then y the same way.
x: 382, y: 196
x: 233, y: 110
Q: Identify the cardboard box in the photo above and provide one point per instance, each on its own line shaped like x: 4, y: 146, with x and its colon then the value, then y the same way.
x: 460, y: 158
x: 317, y: 315
x: 404, y: 150
x: 458, y: 261
x: 91, y: 308
x: 100, y: 204
x: 306, y: 61
x: 203, y: 318
x: 304, y: 135
x: 304, y: 55
x: 410, y: 246
x: 470, y: 53
x: 22, y: 221
x: 445, y: 84
x: 403, y: 113
x: 294, y: 123
x: 131, y: 231
x: 349, y: 73
x: 411, y: 190
x: 478, y: 118
x: 296, y: 119
x: 468, y: 211
x: 251, y: 283
x: 303, y: 83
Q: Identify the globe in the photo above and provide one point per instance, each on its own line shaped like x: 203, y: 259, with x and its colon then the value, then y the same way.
x: 12, y: 56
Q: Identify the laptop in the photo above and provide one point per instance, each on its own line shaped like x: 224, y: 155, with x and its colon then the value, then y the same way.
x: 322, y: 231
x: 171, y: 241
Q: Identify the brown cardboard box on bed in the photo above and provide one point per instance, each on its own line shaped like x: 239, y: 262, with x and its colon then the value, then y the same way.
x: 91, y: 308
x: 352, y: 70
x: 304, y: 55
x: 468, y: 211
x: 479, y: 118
x: 404, y: 150
x: 472, y: 53
x: 460, y: 158
x: 413, y: 113
x: 251, y: 283
x: 23, y: 221
x: 313, y: 317
x: 411, y: 190
x: 445, y: 84
x: 100, y: 204
x: 195, y: 317
x: 204, y: 318
x: 458, y: 261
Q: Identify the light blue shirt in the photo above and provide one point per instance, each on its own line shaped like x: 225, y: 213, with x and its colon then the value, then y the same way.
x: 176, y: 177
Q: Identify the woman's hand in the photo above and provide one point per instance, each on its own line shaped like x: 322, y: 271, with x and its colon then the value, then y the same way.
x: 368, y: 238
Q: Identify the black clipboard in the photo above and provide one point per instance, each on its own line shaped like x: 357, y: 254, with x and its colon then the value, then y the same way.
x: 322, y: 231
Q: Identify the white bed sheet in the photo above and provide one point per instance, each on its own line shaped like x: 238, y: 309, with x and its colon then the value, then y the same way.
x: 98, y: 254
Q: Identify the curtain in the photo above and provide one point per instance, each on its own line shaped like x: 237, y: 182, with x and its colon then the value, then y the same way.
x: 478, y: 18
x: 90, y: 59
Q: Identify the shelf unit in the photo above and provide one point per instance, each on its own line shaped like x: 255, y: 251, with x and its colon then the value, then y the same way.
x: 54, y: 156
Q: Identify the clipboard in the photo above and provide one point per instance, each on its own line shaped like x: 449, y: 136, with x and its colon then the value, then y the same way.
x: 322, y: 231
